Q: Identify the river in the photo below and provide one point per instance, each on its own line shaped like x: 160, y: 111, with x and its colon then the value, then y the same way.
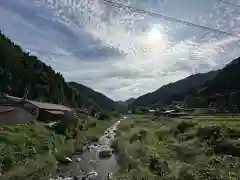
x: 89, y: 161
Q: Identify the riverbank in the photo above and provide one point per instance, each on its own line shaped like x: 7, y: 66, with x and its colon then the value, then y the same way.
x: 33, y: 151
x: 98, y: 158
x: 198, y: 149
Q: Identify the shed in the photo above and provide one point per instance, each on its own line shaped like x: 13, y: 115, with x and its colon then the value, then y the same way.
x: 43, y: 111
x: 50, y: 112
x: 10, y: 115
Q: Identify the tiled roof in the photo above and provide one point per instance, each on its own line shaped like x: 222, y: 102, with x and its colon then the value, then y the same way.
x: 41, y: 105
x: 13, y: 98
x: 49, y: 106
x: 56, y: 112
x: 5, y: 109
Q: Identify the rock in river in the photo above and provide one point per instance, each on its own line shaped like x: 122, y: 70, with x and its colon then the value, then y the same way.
x: 106, y: 153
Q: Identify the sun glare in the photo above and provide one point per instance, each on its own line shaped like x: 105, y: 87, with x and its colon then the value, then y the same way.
x: 156, y: 40
x: 154, y: 35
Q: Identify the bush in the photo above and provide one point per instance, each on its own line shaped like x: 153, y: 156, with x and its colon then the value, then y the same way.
x: 40, y: 168
x: 158, y: 166
x: 209, y: 132
x: 67, y: 150
x: 115, y: 114
x: 184, y: 125
x: 104, y: 116
x: 227, y: 147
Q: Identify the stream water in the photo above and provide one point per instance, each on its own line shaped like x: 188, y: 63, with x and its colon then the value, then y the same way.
x: 90, y: 161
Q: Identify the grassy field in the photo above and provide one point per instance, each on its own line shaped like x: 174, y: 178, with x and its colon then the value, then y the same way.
x: 32, y: 151
x: 204, y: 148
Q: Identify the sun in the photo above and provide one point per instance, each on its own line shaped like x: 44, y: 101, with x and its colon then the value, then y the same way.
x: 155, y: 40
x: 154, y: 35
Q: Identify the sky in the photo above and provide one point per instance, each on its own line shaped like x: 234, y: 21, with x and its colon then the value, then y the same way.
x: 119, y: 52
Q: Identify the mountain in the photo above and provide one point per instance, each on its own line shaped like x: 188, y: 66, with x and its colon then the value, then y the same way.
x: 226, y: 80
x: 87, y: 94
x: 174, y: 91
x: 222, y: 91
x: 127, y: 102
x: 130, y: 101
x: 20, y: 71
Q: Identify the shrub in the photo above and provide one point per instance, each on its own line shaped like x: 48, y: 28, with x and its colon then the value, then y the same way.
x: 184, y: 125
x: 40, y: 168
x: 209, y: 132
x: 104, y: 116
x: 115, y: 114
x: 158, y: 166
x: 227, y: 147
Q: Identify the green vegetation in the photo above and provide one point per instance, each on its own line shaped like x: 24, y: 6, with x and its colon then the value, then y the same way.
x: 27, y: 151
x: 19, y: 70
x: 174, y: 91
x: 226, y: 80
x: 206, y: 148
x: 99, y: 99
x: 33, y: 150
x: 199, y: 90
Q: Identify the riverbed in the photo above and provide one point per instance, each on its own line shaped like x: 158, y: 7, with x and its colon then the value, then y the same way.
x: 89, y: 160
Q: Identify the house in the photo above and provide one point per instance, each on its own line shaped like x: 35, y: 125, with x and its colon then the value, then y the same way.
x: 47, y: 111
x: 151, y: 110
x: 42, y: 111
x: 11, y: 115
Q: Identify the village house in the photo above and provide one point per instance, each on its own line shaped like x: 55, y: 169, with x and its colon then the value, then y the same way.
x: 14, y: 110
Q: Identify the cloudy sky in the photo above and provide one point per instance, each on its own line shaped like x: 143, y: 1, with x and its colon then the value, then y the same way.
x: 122, y: 53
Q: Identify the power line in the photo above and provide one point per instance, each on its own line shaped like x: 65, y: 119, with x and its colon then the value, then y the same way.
x: 145, y: 12
x: 229, y: 3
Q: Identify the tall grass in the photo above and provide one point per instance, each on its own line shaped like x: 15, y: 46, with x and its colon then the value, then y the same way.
x: 179, y: 150
x: 33, y: 150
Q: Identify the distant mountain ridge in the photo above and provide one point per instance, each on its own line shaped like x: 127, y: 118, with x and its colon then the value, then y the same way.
x: 126, y: 103
x: 130, y: 101
x: 174, y: 91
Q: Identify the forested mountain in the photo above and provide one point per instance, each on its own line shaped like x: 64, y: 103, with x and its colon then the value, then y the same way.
x: 223, y: 91
x: 20, y: 70
x: 174, y: 91
x: 225, y: 81
x: 86, y: 94
x: 127, y: 102
x: 130, y: 101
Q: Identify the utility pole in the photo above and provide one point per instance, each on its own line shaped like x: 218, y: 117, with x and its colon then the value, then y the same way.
x: 26, y: 91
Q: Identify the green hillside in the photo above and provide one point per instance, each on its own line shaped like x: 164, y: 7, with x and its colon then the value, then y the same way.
x: 87, y: 95
x: 226, y: 80
x: 174, y: 91
x: 222, y: 91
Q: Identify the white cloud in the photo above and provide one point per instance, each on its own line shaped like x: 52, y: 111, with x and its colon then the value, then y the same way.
x: 152, y: 52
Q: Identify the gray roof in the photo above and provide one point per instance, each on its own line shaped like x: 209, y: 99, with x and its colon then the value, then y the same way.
x: 6, y: 109
x: 13, y: 98
x: 49, y: 106
x: 41, y: 105
x: 56, y: 112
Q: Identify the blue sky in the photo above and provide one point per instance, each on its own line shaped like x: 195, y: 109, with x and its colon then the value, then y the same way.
x: 121, y: 53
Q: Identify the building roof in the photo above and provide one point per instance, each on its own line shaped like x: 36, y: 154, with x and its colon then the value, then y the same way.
x: 41, y: 105
x: 56, y: 112
x: 13, y: 98
x: 4, y: 109
x: 169, y: 111
x: 49, y: 106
